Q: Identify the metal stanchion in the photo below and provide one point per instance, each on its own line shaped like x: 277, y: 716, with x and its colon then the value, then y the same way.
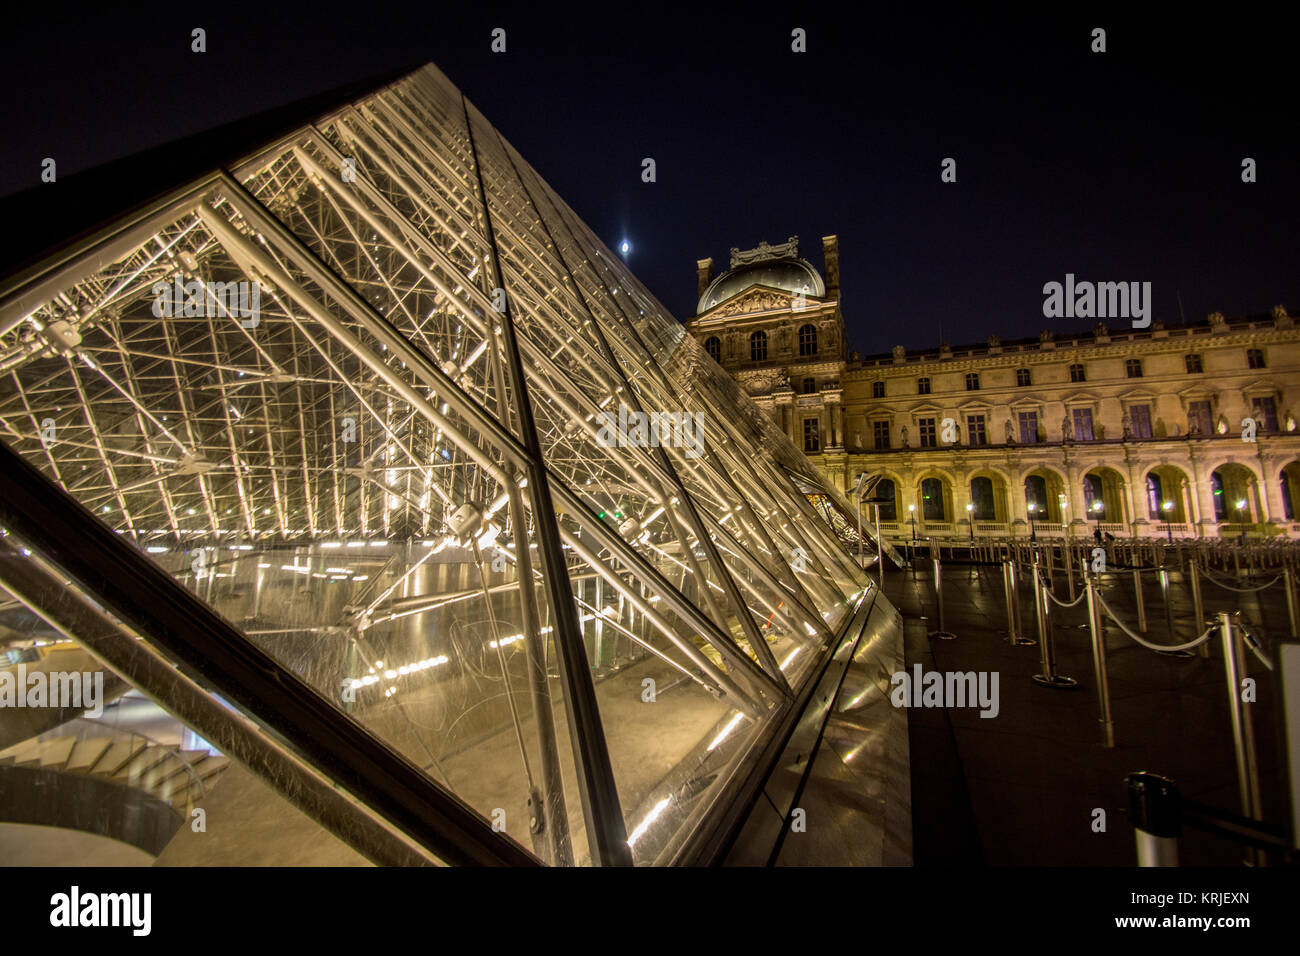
x: 1141, y: 604
x: 942, y: 633
x: 1015, y: 628
x: 1043, y: 613
x: 1169, y: 612
x: 1292, y: 605
x: 1198, y: 604
x: 1153, y: 807
x: 1099, y: 661
x: 1008, y: 590
x: 1243, y: 730
x: 1069, y: 566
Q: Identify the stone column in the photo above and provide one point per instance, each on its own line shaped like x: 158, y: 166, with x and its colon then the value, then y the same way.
x: 1271, y: 468
x: 1074, y: 492
x: 1138, y: 517
x: 1204, y: 495
x: 1019, y: 504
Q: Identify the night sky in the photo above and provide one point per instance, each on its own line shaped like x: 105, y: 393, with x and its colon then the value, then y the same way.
x: 1117, y: 166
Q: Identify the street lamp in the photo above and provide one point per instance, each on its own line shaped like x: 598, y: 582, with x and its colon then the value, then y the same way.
x: 1033, y: 506
x: 912, y: 519
x: 1096, y: 509
x: 970, y: 520
x: 1241, y: 516
x: 1168, y: 508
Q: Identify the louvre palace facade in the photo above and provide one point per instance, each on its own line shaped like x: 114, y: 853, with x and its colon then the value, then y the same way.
x: 1186, y: 432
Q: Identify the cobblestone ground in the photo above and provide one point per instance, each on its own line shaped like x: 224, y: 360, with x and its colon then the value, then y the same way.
x: 1024, y: 787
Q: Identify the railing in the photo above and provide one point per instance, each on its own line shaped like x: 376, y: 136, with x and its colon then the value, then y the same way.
x: 88, y: 729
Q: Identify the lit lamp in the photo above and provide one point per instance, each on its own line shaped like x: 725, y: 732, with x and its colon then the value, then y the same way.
x: 970, y: 520
x: 1241, y: 516
x: 1096, y: 510
x: 1168, y: 508
x: 1033, y: 506
x: 912, y: 518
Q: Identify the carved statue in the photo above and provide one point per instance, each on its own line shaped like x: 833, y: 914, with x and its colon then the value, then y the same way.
x: 903, y: 433
x: 1046, y: 335
x: 994, y: 341
x: 1127, y: 425
x: 1065, y: 429
x: 1011, y: 435
x: 900, y: 353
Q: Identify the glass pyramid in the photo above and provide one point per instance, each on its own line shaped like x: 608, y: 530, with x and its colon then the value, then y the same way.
x: 423, y: 447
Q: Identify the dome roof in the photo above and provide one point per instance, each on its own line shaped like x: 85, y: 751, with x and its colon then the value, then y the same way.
x: 788, y: 273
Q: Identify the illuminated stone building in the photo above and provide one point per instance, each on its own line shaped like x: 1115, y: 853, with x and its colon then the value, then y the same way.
x: 1137, y: 432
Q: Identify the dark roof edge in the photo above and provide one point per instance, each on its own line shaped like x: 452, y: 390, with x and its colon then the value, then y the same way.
x: 49, y: 216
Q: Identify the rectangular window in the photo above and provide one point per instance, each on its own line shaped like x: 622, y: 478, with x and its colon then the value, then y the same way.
x: 1254, y: 358
x: 926, y: 428
x: 1082, y: 424
x: 881, y: 434
x: 1194, y: 365
x: 923, y: 386
x: 975, y: 430
x: 811, y: 440
x: 1140, y: 420
x: 972, y: 381
x: 1133, y: 368
x: 877, y: 389
x: 1028, y: 428
x: 1022, y: 377
x: 1264, y: 411
x: 1076, y: 373
x: 1200, y: 420
x: 809, y: 386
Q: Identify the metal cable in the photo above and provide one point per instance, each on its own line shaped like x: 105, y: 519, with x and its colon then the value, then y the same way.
x: 1229, y: 587
x: 1166, y: 648
x: 1058, y: 602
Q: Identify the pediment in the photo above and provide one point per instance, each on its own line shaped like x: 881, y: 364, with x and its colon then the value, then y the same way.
x: 759, y: 298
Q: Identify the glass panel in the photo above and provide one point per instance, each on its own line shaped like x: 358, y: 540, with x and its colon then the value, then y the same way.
x: 304, y: 403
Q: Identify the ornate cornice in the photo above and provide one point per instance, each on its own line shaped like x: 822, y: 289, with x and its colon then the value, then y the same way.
x: 782, y: 250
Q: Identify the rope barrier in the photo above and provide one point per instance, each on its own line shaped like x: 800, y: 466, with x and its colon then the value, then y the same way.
x: 1228, y: 587
x: 1166, y: 648
x: 1059, y: 603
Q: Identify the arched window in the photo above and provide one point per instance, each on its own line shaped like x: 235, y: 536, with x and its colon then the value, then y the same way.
x: 981, y: 496
x: 1092, y: 496
x: 758, y: 347
x: 1036, y: 494
x: 932, y: 499
x: 1220, y: 502
x: 807, y: 340
x: 1155, y: 496
x: 889, y: 507
x: 713, y: 345
x: 1288, y: 508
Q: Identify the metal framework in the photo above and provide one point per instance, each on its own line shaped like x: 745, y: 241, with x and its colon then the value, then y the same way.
x: 388, y: 445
